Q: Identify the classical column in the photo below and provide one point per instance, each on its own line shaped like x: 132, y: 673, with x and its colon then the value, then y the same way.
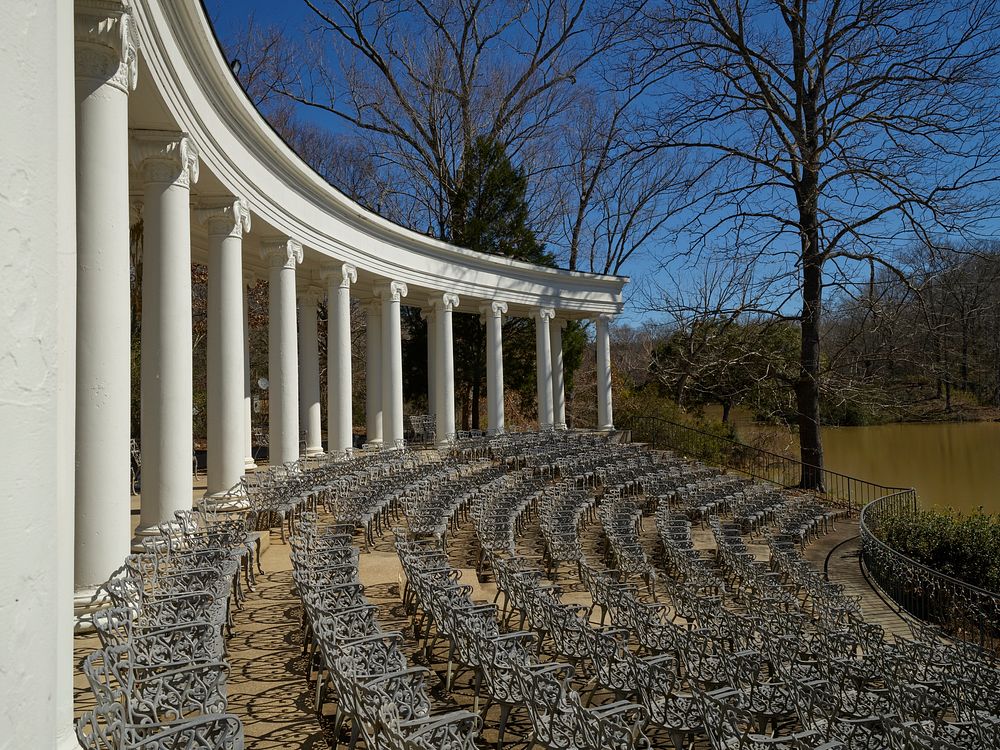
x: 38, y: 386
x: 556, y: 326
x: 309, y: 408
x: 543, y: 366
x: 373, y: 372
x: 392, y: 361
x: 339, y: 390
x: 226, y: 223
x: 429, y: 314
x: 168, y: 164
x: 445, y: 370
x: 105, y: 73
x: 282, y: 358
x: 605, y: 417
x: 492, y: 314
x: 249, y: 280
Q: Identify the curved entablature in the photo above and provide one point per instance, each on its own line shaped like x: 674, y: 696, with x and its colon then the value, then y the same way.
x: 178, y: 50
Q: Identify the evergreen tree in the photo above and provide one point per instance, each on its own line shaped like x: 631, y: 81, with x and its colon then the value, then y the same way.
x: 489, y: 214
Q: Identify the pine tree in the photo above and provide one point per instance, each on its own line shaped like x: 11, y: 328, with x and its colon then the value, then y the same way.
x: 489, y: 214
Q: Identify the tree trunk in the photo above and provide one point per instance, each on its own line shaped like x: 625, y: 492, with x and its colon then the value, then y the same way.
x: 807, y: 386
x: 726, y: 408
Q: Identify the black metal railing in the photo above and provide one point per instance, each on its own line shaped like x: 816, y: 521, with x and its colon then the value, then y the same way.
x: 837, y: 489
x: 961, y: 609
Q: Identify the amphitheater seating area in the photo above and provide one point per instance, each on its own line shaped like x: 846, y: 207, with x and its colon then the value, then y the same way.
x: 642, y: 600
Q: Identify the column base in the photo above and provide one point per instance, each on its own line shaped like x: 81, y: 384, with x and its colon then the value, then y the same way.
x: 226, y: 501
x: 87, y: 601
x: 147, y: 532
x: 314, y: 451
x: 69, y: 741
x: 249, y: 463
x: 606, y: 428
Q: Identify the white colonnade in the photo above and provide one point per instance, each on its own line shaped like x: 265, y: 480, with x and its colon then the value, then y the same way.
x: 444, y: 369
x: 249, y: 280
x: 556, y: 326
x: 283, y: 255
x: 106, y: 71
x: 340, y: 417
x: 492, y: 315
x: 391, y: 294
x: 66, y: 218
x: 226, y: 223
x: 167, y: 163
x: 605, y: 418
x: 373, y: 371
x: 543, y: 366
x: 309, y: 386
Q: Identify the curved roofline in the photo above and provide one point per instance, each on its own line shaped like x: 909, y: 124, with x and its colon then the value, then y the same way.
x: 198, y: 87
x: 346, y: 199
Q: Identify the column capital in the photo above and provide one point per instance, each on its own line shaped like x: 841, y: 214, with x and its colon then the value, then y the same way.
x: 343, y: 275
x: 391, y: 290
x: 605, y: 318
x: 494, y: 309
x: 281, y: 252
x: 225, y: 217
x: 545, y: 313
x: 560, y: 323
x: 164, y: 156
x: 106, y: 43
x: 444, y: 301
x: 249, y: 278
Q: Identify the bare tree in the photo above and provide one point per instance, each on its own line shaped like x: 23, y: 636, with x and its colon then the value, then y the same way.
x: 831, y: 131
x: 422, y: 79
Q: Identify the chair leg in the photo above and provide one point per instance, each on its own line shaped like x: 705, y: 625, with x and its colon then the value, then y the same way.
x: 321, y: 694
x: 502, y: 726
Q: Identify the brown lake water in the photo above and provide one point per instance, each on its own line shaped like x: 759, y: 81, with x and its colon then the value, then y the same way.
x: 948, y: 464
x: 956, y: 464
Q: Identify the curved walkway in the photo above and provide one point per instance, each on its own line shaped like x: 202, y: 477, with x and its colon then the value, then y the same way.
x: 844, y: 567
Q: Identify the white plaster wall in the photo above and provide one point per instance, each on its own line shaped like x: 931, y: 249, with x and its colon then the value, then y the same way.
x: 37, y: 325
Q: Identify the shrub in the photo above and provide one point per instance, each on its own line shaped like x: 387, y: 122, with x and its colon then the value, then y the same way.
x: 964, y: 546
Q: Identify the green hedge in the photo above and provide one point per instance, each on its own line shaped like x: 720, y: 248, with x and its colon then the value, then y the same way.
x: 964, y: 546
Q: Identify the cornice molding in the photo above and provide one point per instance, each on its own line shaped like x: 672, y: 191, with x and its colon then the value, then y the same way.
x: 248, y: 158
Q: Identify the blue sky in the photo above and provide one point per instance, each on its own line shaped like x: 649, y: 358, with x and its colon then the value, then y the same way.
x: 230, y: 16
